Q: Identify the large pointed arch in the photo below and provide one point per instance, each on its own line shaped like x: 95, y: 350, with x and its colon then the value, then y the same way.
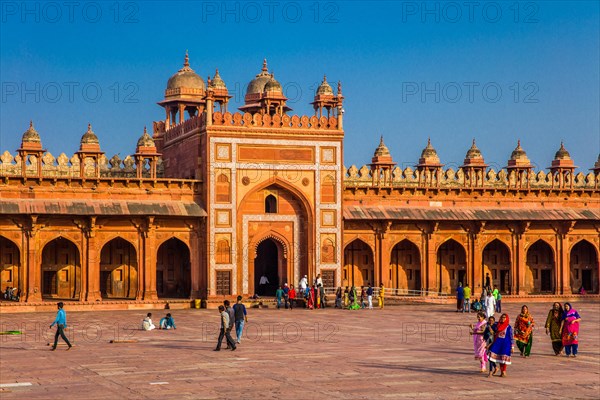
x: 61, y: 269
x: 173, y: 269
x: 452, y: 265
x: 540, y: 270
x: 583, y: 267
x: 405, y: 266
x: 496, y: 264
x: 359, y: 264
x: 118, y: 269
x: 11, y: 274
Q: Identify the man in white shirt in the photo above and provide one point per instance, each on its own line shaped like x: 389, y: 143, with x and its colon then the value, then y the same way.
x: 225, y: 330
x: 264, y: 281
x: 318, y: 281
x: 303, y: 283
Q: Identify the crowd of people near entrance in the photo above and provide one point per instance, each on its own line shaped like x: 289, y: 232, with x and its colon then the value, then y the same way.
x: 314, y: 297
x: 11, y: 293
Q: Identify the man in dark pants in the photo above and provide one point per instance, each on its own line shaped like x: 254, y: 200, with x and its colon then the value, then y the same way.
x: 225, y: 330
x: 61, y: 324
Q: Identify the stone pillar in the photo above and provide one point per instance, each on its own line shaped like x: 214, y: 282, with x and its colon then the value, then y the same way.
x: 385, y: 258
x: 377, y: 257
x: 197, y: 270
x: 149, y: 260
x: 93, y: 267
x: 477, y: 264
x: 34, y: 281
x: 563, y: 285
x: 431, y: 264
x: 520, y: 265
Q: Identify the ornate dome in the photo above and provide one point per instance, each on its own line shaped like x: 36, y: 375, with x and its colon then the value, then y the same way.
x: 145, y: 140
x: 518, y: 153
x: 324, y: 88
x: 31, y: 135
x: 474, y: 151
x: 89, y: 137
x: 185, y: 77
x: 273, y: 85
x: 257, y: 85
x: 562, y: 153
x: 382, y: 149
x: 217, y: 82
x: 429, y: 151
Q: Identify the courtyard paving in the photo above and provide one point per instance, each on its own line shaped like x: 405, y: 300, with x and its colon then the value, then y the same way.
x: 406, y: 351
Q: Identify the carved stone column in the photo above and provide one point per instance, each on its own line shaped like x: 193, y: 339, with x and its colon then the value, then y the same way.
x: 149, y: 260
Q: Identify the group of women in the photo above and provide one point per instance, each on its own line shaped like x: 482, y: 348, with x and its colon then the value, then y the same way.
x: 494, y: 342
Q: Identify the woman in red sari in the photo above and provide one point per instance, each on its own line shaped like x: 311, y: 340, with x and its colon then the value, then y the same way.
x: 311, y: 298
x: 503, y: 345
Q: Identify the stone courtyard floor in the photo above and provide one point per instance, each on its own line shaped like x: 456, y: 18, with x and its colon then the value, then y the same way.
x: 406, y: 351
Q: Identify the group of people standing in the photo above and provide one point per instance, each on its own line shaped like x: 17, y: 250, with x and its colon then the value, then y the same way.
x: 494, y: 342
x: 350, y: 299
x: 490, y: 301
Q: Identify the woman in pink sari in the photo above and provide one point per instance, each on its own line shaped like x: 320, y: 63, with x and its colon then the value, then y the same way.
x: 479, y: 344
x: 570, y: 330
x: 311, y: 298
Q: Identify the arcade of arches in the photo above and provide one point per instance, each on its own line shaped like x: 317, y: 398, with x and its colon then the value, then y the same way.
x: 510, y: 264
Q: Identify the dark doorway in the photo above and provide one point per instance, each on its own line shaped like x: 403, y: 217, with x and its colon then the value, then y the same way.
x: 105, y: 283
x: 49, y: 283
x: 586, y: 279
x: 266, y: 263
x: 418, y: 279
x: 546, y: 280
x: 461, y: 276
x: 504, y: 281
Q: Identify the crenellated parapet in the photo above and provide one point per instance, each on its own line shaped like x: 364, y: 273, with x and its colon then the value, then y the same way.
x: 451, y: 178
x: 276, y: 121
x: 70, y: 167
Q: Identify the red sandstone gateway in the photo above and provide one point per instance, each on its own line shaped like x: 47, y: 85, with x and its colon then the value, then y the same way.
x: 212, y: 201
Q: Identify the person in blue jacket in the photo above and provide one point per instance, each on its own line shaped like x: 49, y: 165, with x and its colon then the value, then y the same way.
x: 61, y: 324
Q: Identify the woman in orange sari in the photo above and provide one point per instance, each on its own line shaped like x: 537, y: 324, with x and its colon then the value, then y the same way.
x: 524, y: 331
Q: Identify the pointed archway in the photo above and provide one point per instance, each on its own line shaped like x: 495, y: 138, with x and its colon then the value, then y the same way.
x: 496, y: 265
x: 118, y: 270
x: 359, y: 267
x: 270, y: 269
x: 583, y: 262
x: 452, y: 265
x: 406, y: 266
x: 539, y: 274
x: 10, y: 265
x: 61, y: 270
x: 173, y: 270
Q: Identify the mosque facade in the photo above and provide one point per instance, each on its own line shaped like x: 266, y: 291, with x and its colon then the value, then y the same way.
x: 213, y: 200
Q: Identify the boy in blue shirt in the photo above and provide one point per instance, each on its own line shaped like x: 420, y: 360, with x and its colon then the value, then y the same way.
x: 61, y: 324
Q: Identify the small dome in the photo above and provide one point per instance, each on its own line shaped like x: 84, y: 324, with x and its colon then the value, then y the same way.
x: 145, y: 140
x: 185, y: 77
x: 273, y: 86
x: 474, y: 152
x: 257, y: 85
x: 562, y: 153
x: 382, y: 149
x: 518, y: 153
x: 429, y: 151
x: 324, y: 88
x: 31, y: 135
x: 89, y: 137
x: 217, y: 82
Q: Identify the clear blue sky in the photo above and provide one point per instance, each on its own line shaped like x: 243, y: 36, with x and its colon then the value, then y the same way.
x: 452, y: 71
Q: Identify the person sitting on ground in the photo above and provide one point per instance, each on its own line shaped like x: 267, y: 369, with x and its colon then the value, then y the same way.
x: 147, y: 324
x: 167, y: 322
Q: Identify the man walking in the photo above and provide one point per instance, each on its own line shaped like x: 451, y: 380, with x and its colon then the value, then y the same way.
x: 292, y: 295
x: 370, y: 296
x: 498, y: 298
x: 61, y: 324
x: 279, y: 296
x: 460, y: 297
x: 241, y: 317
x: 286, y: 295
x: 225, y: 330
